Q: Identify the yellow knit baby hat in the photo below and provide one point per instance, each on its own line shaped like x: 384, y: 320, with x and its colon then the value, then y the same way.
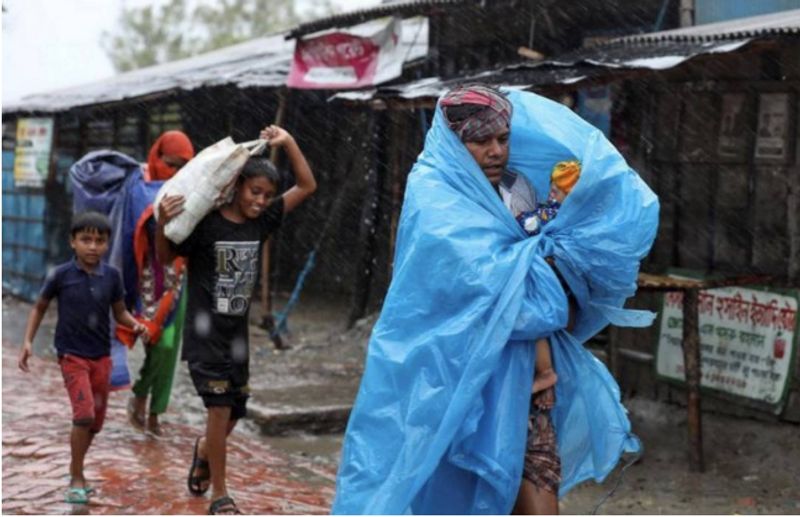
x: 565, y: 175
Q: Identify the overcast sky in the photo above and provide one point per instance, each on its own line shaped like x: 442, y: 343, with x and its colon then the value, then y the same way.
x: 51, y: 44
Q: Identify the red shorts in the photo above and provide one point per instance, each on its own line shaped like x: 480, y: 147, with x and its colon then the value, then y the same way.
x: 87, y: 382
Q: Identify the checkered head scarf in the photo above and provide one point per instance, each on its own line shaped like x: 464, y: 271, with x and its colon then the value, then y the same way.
x: 477, y: 111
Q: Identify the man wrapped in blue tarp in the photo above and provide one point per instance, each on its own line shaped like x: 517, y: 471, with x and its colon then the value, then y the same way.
x: 441, y: 422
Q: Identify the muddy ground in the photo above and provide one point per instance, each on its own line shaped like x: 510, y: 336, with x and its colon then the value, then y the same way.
x: 752, y: 467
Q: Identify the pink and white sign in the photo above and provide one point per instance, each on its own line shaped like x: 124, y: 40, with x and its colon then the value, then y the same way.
x: 365, y: 55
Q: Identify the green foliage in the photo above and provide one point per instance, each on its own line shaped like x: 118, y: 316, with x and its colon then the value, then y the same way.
x: 150, y: 35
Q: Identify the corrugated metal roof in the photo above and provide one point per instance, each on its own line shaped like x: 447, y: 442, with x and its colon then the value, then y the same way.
x: 262, y: 62
x: 773, y: 24
x: 653, y: 51
x: 400, y: 8
x: 571, y: 68
x: 259, y: 62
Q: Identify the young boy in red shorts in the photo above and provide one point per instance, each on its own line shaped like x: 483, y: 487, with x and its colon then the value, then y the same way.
x: 87, y: 289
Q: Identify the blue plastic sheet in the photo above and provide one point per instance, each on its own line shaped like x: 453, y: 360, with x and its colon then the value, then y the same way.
x: 440, y: 420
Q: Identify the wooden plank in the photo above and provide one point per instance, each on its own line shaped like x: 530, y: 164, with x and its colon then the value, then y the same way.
x: 731, y: 198
x: 769, y: 231
x: 648, y: 282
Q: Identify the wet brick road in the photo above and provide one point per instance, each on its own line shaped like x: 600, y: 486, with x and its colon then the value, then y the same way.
x: 133, y: 473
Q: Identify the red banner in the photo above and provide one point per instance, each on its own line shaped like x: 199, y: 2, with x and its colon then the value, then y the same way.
x: 364, y: 55
x: 333, y: 61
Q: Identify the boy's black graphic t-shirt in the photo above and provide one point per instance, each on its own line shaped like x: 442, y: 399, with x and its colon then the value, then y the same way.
x: 223, y: 263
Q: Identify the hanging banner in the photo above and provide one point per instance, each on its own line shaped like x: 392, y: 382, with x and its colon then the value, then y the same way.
x: 747, y: 341
x: 364, y: 55
x: 32, y: 151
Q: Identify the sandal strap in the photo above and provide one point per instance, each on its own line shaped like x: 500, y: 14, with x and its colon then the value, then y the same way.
x: 76, y: 495
x: 196, y: 481
x: 225, y: 502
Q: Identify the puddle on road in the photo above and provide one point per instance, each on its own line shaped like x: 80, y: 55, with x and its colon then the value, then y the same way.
x: 323, y: 368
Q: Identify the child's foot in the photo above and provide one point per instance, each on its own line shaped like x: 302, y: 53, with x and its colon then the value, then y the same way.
x: 76, y: 496
x: 136, y: 407
x: 544, y: 380
x: 153, y: 426
x: 223, y: 506
x: 77, y: 492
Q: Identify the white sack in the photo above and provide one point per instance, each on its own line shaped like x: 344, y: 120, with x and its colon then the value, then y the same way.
x: 205, y: 182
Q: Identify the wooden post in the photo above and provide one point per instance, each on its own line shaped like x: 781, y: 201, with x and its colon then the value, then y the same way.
x: 280, y: 114
x: 613, y: 351
x: 793, y: 222
x: 397, y: 140
x: 374, y: 163
x: 691, y: 361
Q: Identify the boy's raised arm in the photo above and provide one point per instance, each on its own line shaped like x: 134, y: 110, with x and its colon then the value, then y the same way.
x: 305, y: 183
x: 34, y: 320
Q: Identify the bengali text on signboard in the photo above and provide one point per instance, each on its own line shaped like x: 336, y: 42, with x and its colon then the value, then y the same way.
x: 747, y: 340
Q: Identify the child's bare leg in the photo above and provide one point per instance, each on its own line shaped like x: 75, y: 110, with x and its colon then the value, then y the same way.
x: 79, y: 440
x: 217, y: 429
x: 136, y: 408
x: 532, y: 500
x: 153, y: 424
x: 545, y: 376
x: 202, y: 449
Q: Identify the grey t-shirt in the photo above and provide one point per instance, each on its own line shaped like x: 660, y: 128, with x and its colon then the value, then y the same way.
x: 517, y: 193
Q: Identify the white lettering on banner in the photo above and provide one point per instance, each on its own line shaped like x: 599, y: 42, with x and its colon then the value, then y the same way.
x: 340, y: 74
x: 746, y: 341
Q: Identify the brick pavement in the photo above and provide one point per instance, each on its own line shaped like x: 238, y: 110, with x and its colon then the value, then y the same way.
x: 134, y: 473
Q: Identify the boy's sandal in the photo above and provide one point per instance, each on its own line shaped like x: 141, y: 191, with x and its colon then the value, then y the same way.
x: 195, y: 483
x: 76, y: 496
x: 224, y: 506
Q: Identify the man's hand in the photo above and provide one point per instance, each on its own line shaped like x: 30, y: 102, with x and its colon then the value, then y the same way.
x: 170, y: 207
x: 24, y: 354
x: 277, y: 136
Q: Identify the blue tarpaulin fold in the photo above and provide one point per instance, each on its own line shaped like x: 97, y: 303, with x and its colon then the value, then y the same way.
x: 440, y: 421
